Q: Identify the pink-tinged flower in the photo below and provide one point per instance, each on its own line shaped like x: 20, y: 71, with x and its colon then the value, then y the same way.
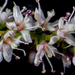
x: 13, y: 43
x: 44, y: 22
x: 20, y: 23
x: 44, y: 49
x: 64, y: 31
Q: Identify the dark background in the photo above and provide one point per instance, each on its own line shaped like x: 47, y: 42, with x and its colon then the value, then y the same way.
x: 22, y: 66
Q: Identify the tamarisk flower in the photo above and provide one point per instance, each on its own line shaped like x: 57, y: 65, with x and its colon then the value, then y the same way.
x: 41, y: 20
x: 64, y: 32
x: 44, y: 49
x: 20, y: 23
x: 7, y: 46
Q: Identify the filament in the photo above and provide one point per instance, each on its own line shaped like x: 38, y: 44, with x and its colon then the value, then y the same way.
x: 49, y: 61
x: 21, y: 50
x: 4, y: 6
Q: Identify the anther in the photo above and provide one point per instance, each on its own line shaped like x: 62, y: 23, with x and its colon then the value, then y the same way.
x: 28, y: 12
x: 37, y: 0
x: 40, y: 60
x: 68, y: 13
x: 53, y: 71
x: 74, y: 7
x: 43, y: 71
x: 43, y: 29
x: 24, y: 8
x: 17, y: 57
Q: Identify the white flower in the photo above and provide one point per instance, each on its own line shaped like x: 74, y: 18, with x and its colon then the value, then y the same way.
x: 39, y: 16
x: 43, y: 49
x: 64, y: 32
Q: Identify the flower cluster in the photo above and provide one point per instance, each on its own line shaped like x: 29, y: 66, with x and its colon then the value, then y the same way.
x: 48, y: 39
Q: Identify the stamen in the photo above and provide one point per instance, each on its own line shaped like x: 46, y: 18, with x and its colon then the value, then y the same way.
x: 43, y: 29
x: 71, y: 14
x: 14, y: 3
x: 68, y: 13
x: 67, y: 47
x: 43, y: 71
x: 68, y: 58
x: 43, y: 67
x: 28, y: 12
x: 49, y: 61
x: 40, y: 60
x: 53, y: 71
x: 12, y: 33
x: 60, y: 53
x: 26, y: 43
x: 37, y: 0
x: 24, y: 8
x: 21, y: 50
x: 4, y: 6
x: 16, y: 57
x: 74, y: 7
x: 62, y: 73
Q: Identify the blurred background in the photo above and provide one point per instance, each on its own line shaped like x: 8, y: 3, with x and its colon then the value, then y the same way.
x: 23, y: 66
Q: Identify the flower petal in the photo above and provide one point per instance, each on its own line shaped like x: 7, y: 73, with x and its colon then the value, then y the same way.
x: 8, y: 11
x: 38, y: 57
x: 1, y: 56
x: 7, y: 52
x: 73, y: 60
x: 36, y: 60
x: 50, y: 15
x: 11, y: 25
x: 69, y: 39
x: 42, y: 53
x: 61, y: 23
x: 9, y: 34
x: 17, y: 14
x: 66, y: 63
x: 53, y: 40
x: 39, y: 47
x: 60, y: 33
x: 51, y: 49
x: 73, y: 20
x: 1, y: 45
x: 50, y: 28
x: 39, y: 15
x: 26, y: 36
x: 3, y: 17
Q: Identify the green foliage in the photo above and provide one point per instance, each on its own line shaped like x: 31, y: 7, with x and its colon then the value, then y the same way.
x: 74, y: 49
x: 17, y: 34
x: 2, y: 25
